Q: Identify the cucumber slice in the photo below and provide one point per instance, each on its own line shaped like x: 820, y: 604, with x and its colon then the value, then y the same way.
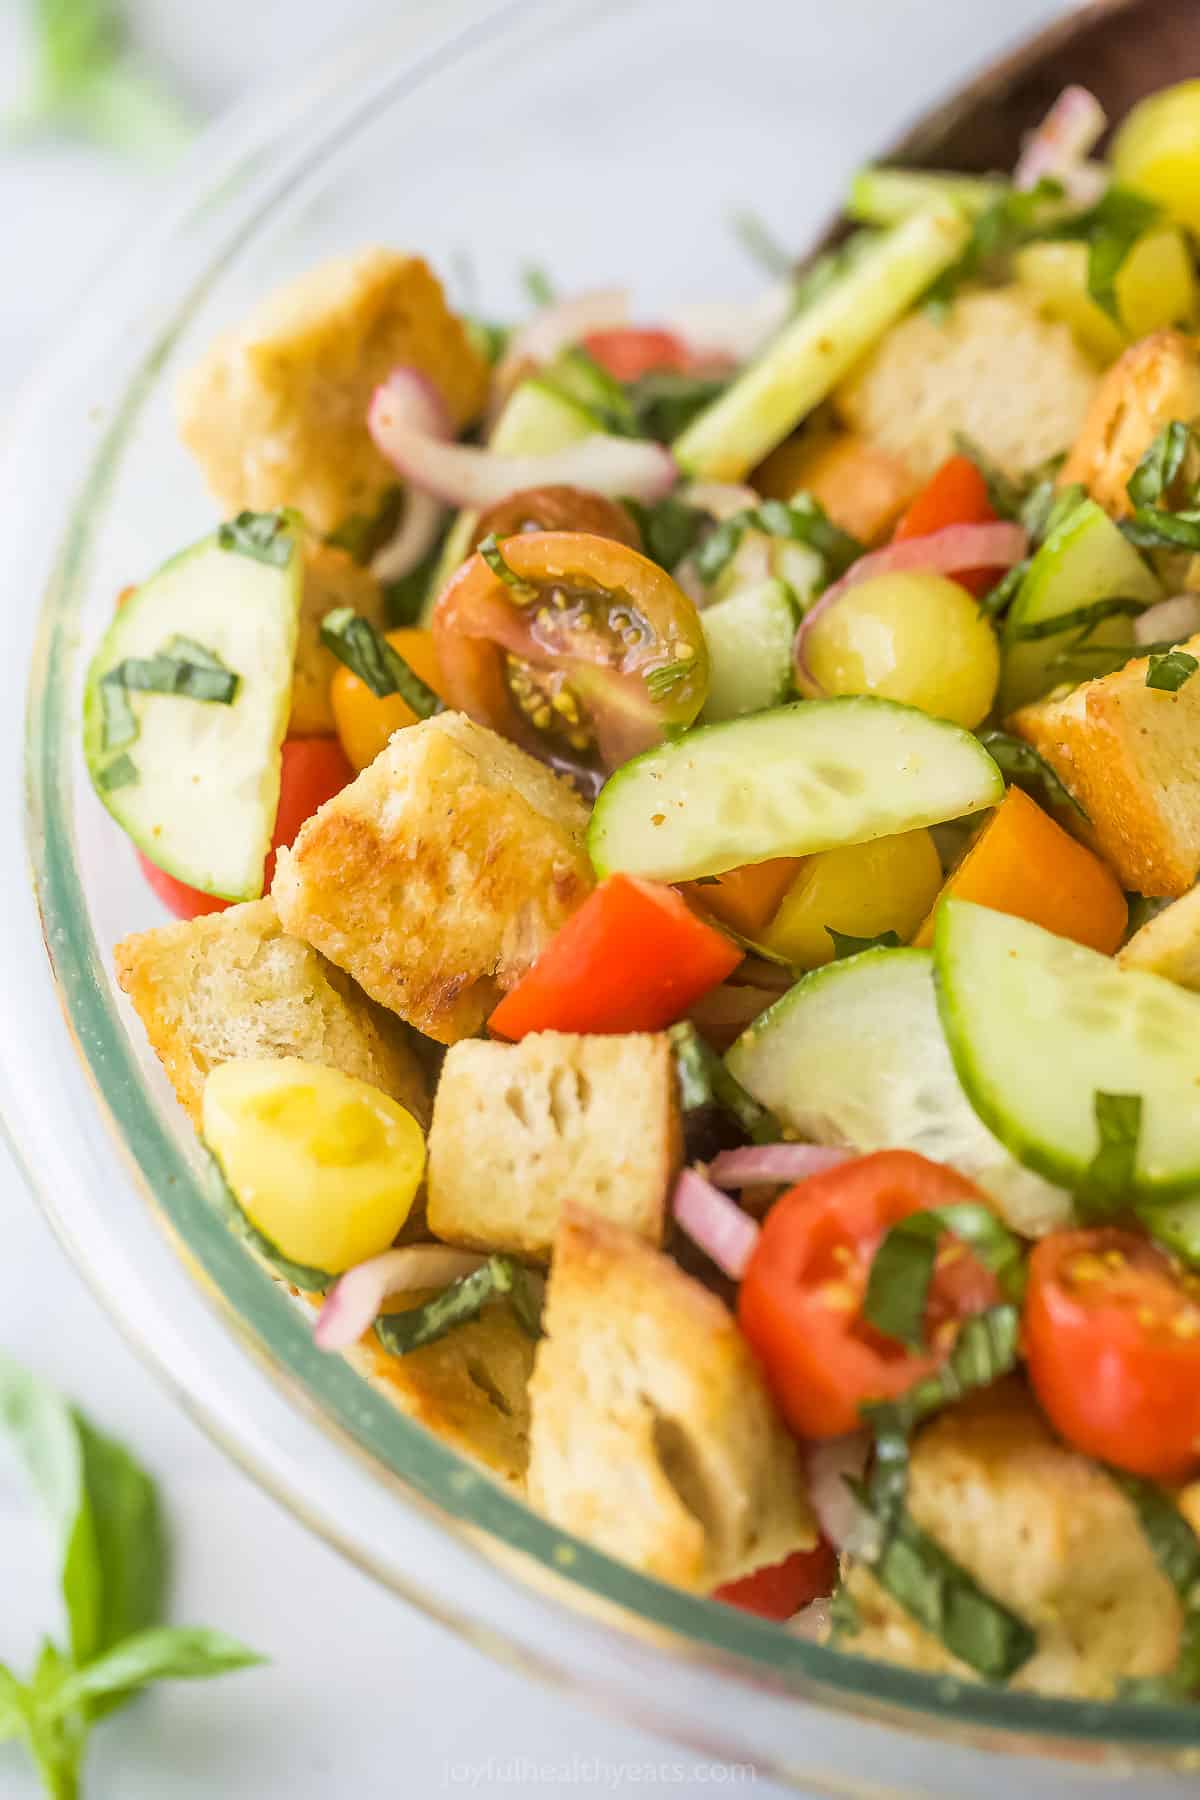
x: 1084, y: 560
x: 811, y: 355
x: 1038, y: 1025
x: 788, y: 782
x: 854, y: 1054
x: 197, y: 786
x: 749, y: 639
x: 880, y: 196
x: 536, y: 420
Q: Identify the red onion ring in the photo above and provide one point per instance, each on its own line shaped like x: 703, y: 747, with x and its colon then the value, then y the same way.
x: 847, y: 1525
x: 774, y: 1162
x: 1068, y: 133
x: 714, y: 1222
x: 995, y: 546
x: 356, y: 1299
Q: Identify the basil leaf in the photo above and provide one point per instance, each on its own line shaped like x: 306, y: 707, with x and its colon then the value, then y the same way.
x: 267, y: 537
x: 1151, y: 528
x: 121, y: 772
x: 493, y: 556
x: 1083, y: 618
x: 1170, y: 669
x: 55, y: 1742
x: 1024, y: 767
x: 355, y: 642
x: 663, y: 402
x: 704, y: 1080
x: 984, y: 1350
x: 845, y: 944
x: 88, y: 78
x: 1060, y: 506
x: 903, y: 1265
x: 119, y: 724
x: 670, y: 528
x: 463, y: 1300
x: 1013, y: 218
x: 940, y: 1594
x: 1176, y: 1550
x: 1111, y: 228
x: 1160, y: 464
x: 802, y: 520
x: 661, y: 682
x: 1109, y: 1175
x: 166, y: 1653
x: 163, y: 674
x: 998, y: 599
x: 578, y: 375
x: 129, y: 1537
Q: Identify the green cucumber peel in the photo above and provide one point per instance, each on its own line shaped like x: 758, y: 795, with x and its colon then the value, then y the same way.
x: 499, y: 1277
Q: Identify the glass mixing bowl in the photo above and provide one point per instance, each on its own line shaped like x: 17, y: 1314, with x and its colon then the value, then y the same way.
x: 603, y: 140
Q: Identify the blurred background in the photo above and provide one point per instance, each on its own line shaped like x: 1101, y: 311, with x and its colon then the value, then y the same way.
x: 363, y: 1699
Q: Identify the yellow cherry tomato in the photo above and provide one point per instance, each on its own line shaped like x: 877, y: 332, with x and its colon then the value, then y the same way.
x: 326, y: 1166
x: 365, y: 722
x: 908, y: 636
x: 861, y: 890
x: 1155, y: 286
x: 1157, y: 151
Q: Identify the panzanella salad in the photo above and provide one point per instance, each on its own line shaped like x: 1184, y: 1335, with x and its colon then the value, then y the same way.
x: 683, y: 840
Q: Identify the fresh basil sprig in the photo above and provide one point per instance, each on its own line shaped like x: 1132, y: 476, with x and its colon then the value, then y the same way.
x: 1014, y: 217
x: 802, y: 520
x: 1153, y: 528
x: 902, y: 1267
x: 499, y: 1277
x: 355, y: 642
x: 1109, y: 1176
x: 1081, y: 618
x: 705, y: 1080
x: 110, y: 1546
x: 663, y: 402
x: 494, y: 557
x: 1160, y: 465
x: 670, y: 528
x: 267, y: 537
x: 1024, y: 767
x: 1168, y: 670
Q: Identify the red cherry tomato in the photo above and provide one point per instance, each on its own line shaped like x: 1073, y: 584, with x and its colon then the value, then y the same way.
x: 1112, y: 1333
x: 782, y: 1589
x: 313, y: 770
x: 956, y: 495
x: 629, y: 351
x: 800, y: 1303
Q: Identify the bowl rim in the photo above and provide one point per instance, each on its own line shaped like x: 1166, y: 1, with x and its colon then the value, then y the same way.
x: 491, y: 1523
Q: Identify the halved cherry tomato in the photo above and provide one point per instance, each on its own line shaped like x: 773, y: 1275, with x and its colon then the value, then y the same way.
x: 633, y: 958
x: 956, y: 495
x: 313, y: 770
x: 558, y: 508
x: 1112, y: 1333
x: 629, y: 351
x: 585, y: 661
x: 800, y: 1303
x: 747, y: 897
x: 783, y: 1588
x: 365, y: 721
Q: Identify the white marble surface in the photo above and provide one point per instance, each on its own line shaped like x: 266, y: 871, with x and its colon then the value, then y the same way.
x: 362, y: 1697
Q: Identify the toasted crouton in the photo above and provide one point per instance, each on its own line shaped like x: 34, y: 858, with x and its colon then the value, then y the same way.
x: 276, y: 412
x: 438, y: 876
x: 992, y: 370
x: 518, y: 1128
x: 861, y: 487
x: 652, y: 1433
x: 234, y: 984
x: 1156, y: 381
x: 331, y: 578
x: 1131, y: 756
x: 1169, y: 943
x: 1047, y: 1533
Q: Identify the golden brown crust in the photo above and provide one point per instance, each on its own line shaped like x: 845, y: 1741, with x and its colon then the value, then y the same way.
x: 1155, y: 381
x: 519, y: 1128
x: 1169, y: 943
x: 437, y: 877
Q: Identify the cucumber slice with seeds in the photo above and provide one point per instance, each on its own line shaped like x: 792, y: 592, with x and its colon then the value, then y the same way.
x: 1038, y: 1026
x: 788, y: 782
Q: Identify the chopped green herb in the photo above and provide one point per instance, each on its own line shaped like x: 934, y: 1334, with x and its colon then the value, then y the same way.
x: 268, y: 537
x: 1152, y: 528
x: 846, y: 944
x: 537, y: 284
x: 297, y: 1275
x: 464, y: 1299
x: 947, y: 1601
x: 984, y: 1350
x: 1082, y: 618
x: 704, y: 1080
x: 355, y: 642
x: 1177, y: 1552
x: 670, y: 528
x: 1007, y: 497
x: 1110, y: 229
x: 1160, y: 465
x: 902, y: 1267
x: 119, y: 724
x: 1014, y: 218
x: 1109, y: 1176
x: 493, y: 556
x: 801, y: 520
x: 164, y: 674
x: 188, y: 650
x: 362, y: 534
x: 661, y: 682
x: 998, y: 599
x: 663, y: 402
x: 757, y: 239
x: 121, y: 772
x: 578, y: 375
x: 1024, y: 767
x: 1169, y: 669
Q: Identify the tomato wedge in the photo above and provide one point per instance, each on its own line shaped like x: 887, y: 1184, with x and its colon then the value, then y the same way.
x: 633, y: 958
x: 627, y: 352
x: 956, y: 494
x: 313, y: 770
x: 1112, y: 1333
x: 580, y: 649
x: 783, y: 1588
x: 557, y: 508
x: 800, y: 1303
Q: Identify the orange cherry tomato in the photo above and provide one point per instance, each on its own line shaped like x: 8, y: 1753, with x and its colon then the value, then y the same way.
x: 313, y: 770
x: 783, y: 1588
x: 629, y: 351
x: 1112, y: 1334
x: 365, y: 721
x: 956, y: 495
x: 585, y: 655
x: 800, y: 1302
x: 747, y: 897
x: 558, y: 508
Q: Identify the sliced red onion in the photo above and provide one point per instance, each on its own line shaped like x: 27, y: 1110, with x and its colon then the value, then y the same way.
x: 1067, y: 134
x: 733, y: 328
x: 1168, y: 620
x: 813, y: 1621
x: 847, y: 1525
x: 714, y: 1222
x: 465, y: 476
x: 774, y: 1162
x: 414, y: 539
x: 557, y: 326
x: 356, y: 1299
x: 996, y: 546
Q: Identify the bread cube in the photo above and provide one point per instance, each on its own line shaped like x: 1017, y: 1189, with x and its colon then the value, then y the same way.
x: 652, y: 1434
x: 992, y: 369
x: 1131, y: 756
x: 1155, y: 381
x: 439, y: 875
x: 331, y: 578
x: 1046, y: 1532
x: 519, y: 1128
x: 276, y: 413
x: 234, y: 984
x: 1169, y: 943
